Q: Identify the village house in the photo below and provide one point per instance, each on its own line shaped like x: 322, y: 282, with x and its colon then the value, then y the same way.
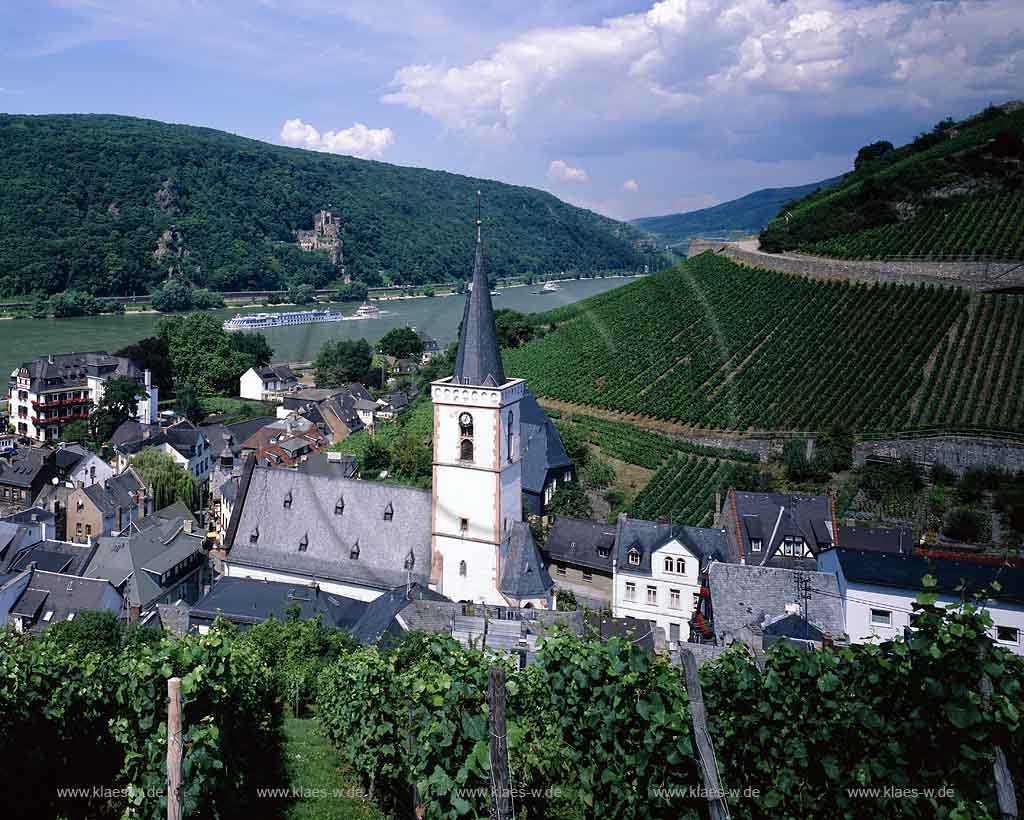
x: 266, y: 383
x: 759, y: 605
x: 23, y: 474
x: 431, y: 348
x: 658, y: 569
x: 185, y: 443
x: 23, y: 529
x: 161, y: 561
x: 877, y: 590
x: 34, y: 599
x: 106, y: 508
x: 779, y: 529
x: 546, y: 465
x: 74, y: 463
x: 333, y: 411
x: 579, y: 558
x: 49, y: 392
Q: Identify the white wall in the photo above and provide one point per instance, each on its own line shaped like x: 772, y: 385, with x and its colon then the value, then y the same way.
x: 356, y: 591
x: 860, y: 599
x: 250, y: 386
x: 687, y: 583
x: 84, y: 471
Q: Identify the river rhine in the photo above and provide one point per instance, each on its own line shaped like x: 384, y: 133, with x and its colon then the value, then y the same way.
x: 437, y: 317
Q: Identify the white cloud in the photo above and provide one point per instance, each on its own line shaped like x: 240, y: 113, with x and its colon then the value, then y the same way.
x: 359, y: 141
x: 631, y: 186
x: 562, y: 171
x: 729, y: 71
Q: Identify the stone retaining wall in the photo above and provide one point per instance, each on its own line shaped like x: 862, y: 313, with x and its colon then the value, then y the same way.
x: 956, y: 452
x: 971, y: 275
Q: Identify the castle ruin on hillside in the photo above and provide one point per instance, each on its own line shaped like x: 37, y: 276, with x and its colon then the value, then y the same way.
x: 325, y: 236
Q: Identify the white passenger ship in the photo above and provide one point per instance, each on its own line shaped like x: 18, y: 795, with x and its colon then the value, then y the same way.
x: 258, y: 321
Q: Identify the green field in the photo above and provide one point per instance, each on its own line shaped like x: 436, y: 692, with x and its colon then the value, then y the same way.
x: 991, y: 225
x: 715, y: 345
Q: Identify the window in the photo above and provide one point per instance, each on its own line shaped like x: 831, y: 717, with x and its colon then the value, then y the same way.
x: 78, y: 527
x: 652, y: 596
x: 669, y: 565
x: 680, y: 566
x: 567, y: 477
x: 389, y: 512
x: 339, y: 506
x: 604, y: 552
x: 559, y: 569
x: 673, y: 633
x: 696, y: 600
x: 287, y: 498
x: 510, y: 441
x: 88, y: 529
x: 254, y: 536
x: 463, y: 524
x: 462, y: 569
x: 634, y: 557
x: 71, y: 616
x: 47, y: 616
x: 630, y: 591
x: 881, y: 617
x: 466, y: 450
x: 588, y: 575
x: 466, y: 425
x: 304, y: 542
x: 410, y: 561
x: 755, y: 544
x: 80, y: 505
x: 354, y: 552
x: 1007, y: 634
x: 675, y: 599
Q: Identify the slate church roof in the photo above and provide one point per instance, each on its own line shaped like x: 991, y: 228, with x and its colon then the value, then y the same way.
x: 542, y: 446
x: 479, y: 358
x: 319, y: 525
x: 523, y: 574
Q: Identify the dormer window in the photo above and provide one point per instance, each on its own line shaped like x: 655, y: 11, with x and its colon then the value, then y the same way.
x: 288, y: 500
x: 410, y: 561
x: 634, y: 557
x: 755, y: 544
x: 669, y: 565
x: 254, y: 536
x: 680, y: 566
x: 389, y: 512
x: 462, y: 569
x: 354, y: 552
x: 339, y: 505
x: 304, y: 542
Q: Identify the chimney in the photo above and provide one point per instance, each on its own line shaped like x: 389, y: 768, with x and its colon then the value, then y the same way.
x: 49, y: 359
x: 187, y: 525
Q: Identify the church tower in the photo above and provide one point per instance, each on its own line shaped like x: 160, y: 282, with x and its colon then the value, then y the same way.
x: 477, y: 451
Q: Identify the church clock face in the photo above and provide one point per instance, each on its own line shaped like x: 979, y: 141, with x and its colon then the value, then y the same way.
x: 465, y: 420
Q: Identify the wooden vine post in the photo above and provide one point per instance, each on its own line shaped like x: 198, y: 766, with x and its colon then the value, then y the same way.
x: 1006, y: 795
x: 706, y: 765
x: 174, y: 749
x: 501, y: 787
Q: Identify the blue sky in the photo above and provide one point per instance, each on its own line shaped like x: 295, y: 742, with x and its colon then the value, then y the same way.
x: 629, y: 108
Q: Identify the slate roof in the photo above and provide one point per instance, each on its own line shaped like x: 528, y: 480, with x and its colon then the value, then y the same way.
x: 132, y: 431
x: 542, y: 445
x: 906, y: 571
x: 380, y: 614
x: 22, y: 468
x: 338, y: 465
x: 633, y: 629
x: 580, y: 542
x: 115, y: 492
x: 742, y: 595
x: 281, y: 372
x: 32, y: 515
x: 773, y: 517
x: 384, y: 545
x: 182, y: 437
x: 142, y: 557
x: 251, y: 601
x: 648, y: 536
x: 73, y: 369
x: 54, y: 556
x: 523, y: 574
x: 881, y: 539
x: 62, y: 594
x: 478, y: 360
x: 67, y: 457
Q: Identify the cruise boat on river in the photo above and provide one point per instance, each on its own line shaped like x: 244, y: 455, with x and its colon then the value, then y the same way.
x: 365, y: 311
x: 260, y: 321
x: 550, y: 287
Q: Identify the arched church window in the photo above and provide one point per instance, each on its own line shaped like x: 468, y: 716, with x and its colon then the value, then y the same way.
x: 462, y: 568
x: 465, y: 437
x: 508, y: 433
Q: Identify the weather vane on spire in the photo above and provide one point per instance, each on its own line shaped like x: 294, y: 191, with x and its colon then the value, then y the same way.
x: 478, y: 215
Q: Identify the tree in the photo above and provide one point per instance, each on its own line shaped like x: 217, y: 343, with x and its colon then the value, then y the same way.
x: 565, y: 600
x: 513, y: 328
x: 570, y: 500
x: 255, y: 345
x: 202, y: 353
x: 342, y: 360
x: 352, y: 292
x: 575, y: 443
x: 963, y: 524
x: 187, y: 403
x: 301, y: 294
x: 376, y: 458
x: 871, y: 153
x: 152, y: 354
x: 168, y: 481
x: 76, y: 431
x: 174, y: 295
x: 121, y: 397
x: 834, y: 451
x: 410, y: 458
x: 597, y: 474
x: 401, y: 342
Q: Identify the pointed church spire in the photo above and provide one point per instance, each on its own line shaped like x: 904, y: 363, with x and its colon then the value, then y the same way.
x: 479, y: 358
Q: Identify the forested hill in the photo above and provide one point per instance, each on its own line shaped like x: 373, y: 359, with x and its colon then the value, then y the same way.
x: 87, y: 200
x: 746, y: 215
x: 957, y: 189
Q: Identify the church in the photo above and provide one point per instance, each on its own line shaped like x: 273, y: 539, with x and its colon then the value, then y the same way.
x: 465, y: 538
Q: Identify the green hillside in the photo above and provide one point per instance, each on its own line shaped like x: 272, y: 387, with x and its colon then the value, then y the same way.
x: 746, y: 215
x: 85, y: 200
x: 712, y: 344
x: 950, y: 192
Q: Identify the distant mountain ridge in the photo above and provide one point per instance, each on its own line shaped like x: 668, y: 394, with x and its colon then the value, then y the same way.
x: 746, y: 215
x: 111, y: 205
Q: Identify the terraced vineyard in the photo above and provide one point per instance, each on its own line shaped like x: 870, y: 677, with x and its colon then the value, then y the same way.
x: 684, y: 489
x: 988, y: 226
